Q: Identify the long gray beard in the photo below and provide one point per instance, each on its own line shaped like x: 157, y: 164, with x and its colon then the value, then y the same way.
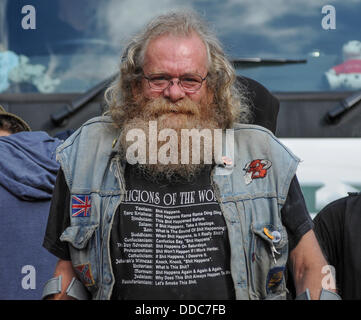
x: 184, y: 115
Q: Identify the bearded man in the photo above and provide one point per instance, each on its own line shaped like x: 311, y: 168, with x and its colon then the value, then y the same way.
x: 132, y: 219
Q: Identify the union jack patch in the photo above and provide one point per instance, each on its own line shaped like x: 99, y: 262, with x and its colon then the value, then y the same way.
x: 80, y: 206
x: 85, y: 274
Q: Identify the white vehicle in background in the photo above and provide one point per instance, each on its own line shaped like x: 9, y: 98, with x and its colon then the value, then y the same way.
x: 53, y: 70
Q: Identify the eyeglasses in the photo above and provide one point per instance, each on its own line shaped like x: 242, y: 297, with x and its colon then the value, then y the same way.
x: 189, y: 82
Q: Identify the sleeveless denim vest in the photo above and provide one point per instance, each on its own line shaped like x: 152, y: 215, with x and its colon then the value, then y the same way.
x: 250, y: 192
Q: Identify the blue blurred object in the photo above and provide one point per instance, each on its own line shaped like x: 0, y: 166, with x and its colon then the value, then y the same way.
x: 8, y: 61
x: 28, y: 171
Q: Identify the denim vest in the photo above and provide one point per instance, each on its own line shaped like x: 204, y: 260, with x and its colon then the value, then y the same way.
x: 251, y: 192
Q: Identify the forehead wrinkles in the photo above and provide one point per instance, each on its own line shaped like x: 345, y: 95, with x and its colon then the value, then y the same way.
x: 176, y: 52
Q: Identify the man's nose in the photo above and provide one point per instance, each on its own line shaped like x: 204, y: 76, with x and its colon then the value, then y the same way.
x: 174, y: 92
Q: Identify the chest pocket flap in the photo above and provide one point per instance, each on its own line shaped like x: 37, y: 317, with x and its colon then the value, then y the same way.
x: 78, y: 236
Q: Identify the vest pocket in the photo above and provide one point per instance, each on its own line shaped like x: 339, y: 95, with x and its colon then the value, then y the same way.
x: 84, y: 251
x: 78, y: 236
x: 269, y: 251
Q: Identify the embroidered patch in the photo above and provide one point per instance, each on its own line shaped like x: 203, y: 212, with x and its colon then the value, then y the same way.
x: 256, y: 169
x: 80, y: 206
x: 274, y: 278
x: 84, y: 273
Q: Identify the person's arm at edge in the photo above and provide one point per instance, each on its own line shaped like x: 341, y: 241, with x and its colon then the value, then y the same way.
x: 307, y: 261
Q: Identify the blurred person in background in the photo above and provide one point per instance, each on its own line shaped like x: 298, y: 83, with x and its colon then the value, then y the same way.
x: 28, y: 171
x: 337, y: 227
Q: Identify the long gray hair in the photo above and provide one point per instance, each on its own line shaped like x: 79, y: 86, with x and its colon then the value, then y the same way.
x: 228, y: 98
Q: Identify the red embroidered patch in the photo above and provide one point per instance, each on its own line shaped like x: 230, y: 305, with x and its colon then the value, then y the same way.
x: 256, y: 169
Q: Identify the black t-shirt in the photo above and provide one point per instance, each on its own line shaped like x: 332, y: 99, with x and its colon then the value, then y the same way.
x: 337, y: 228
x: 155, y: 257
x: 169, y: 241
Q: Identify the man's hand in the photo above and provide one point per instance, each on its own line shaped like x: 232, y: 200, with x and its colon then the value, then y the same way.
x: 65, y: 269
x: 307, y: 261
